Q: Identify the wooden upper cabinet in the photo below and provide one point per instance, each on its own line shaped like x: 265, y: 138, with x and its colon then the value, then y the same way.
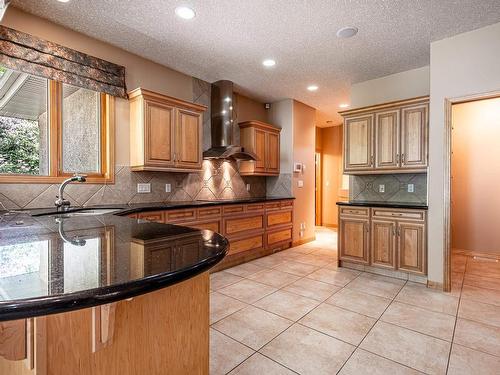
x: 414, y: 144
x: 165, y: 133
x: 358, y: 143
x: 264, y: 141
x: 387, y: 138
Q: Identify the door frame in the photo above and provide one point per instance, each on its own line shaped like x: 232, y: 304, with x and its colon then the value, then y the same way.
x: 318, y: 191
x: 448, y: 104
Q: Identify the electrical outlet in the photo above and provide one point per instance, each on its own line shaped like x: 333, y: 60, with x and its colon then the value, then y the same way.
x: 248, y: 187
x: 381, y: 188
x: 144, y: 188
x: 302, y: 226
x: 411, y: 188
x: 300, y: 183
x: 168, y: 188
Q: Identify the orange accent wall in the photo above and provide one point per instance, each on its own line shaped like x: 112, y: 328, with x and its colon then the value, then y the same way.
x: 304, y: 118
x: 476, y: 176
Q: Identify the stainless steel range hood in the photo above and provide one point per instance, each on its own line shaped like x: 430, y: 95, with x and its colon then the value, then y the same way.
x: 222, y: 123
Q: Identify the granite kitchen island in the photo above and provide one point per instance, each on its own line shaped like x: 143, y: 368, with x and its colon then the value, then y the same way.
x: 104, y: 294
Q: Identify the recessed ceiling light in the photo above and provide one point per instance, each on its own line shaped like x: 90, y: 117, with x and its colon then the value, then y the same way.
x: 347, y: 32
x: 185, y: 13
x: 344, y: 105
x: 312, y: 87
x: 63, y: 1
x: 268, y: 63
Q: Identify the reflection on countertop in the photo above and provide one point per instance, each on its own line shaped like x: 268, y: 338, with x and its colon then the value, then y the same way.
x: 55, y: 264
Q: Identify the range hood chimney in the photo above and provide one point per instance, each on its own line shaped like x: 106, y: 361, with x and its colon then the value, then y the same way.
x: 222, y: 124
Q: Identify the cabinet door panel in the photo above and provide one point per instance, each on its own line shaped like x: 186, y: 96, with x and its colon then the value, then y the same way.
x: 387, y: 140
x: 273, y: 153
x: 260, y: 150
x: 414, y: 143
x: 188, y: 154
x: 412, y: 247
x: 159, y: 133
x: 383, y: 243
x: 358, y: 143
x: 353, y: 240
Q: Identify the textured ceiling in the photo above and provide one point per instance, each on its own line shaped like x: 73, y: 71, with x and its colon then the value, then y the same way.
x: 228, y: 39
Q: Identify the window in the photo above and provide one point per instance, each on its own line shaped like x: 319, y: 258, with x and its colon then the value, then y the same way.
x: 50, y: 130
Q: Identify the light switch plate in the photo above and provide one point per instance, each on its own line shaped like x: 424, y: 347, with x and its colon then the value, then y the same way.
x: 168, y: 188
x: 143, y: 188
x: 300, y: 183
x: 411, y: 188
x: 381, y: 188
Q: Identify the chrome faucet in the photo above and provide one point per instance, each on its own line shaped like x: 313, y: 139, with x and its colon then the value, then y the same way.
x: 60, y: 201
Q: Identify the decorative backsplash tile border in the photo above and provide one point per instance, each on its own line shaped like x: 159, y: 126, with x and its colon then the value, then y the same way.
x: 366, y: 188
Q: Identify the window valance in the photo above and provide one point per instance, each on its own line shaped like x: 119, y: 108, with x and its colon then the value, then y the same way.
x: 30, y: 54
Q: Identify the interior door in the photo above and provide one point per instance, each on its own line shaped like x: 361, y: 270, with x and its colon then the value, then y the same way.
x: 387, y: 140
x: 358, y: 143
x: 383, y: 243
x: 159, y: 134
x: 188, y: 150
x: 273, y: 152
x: 354, y: 234
x: 412, y: 247
x: 414, y: 142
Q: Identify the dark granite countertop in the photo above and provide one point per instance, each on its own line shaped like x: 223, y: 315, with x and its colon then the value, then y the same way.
x: 157, y: 206
x: 54, y: 264
x: 414, y: 205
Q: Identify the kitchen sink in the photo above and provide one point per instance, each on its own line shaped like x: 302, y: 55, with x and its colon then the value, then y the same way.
x: 79, y: 212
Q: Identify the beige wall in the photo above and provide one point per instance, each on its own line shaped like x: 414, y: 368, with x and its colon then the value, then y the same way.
x: 462, y: 65
x: 404, y: 85
x: 331, y: 148
x: 476, y: 176
x: 303, y: 152
x: 249, y: 109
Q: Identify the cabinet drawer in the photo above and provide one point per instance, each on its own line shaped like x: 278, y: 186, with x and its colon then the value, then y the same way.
x: 245, y: 244
x: 157, y: 216
x: 255, y: 207
x: 279, y: 218
x: 213, y: 225
x: 243, y: 224
x: 181, y: 215
x: 286, y: 204
x: 279, y: 236
x: 233, y: 209
x: 271, y: 206
x: 209, y: 212
x: 398, y: 214
x: 357, y: 211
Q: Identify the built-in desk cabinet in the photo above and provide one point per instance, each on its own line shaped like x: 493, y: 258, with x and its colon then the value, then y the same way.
x: 264, y: 141
x: 387, y: 138
x: 384, y: 237
x: 253, y: 229
x: 165, y: 133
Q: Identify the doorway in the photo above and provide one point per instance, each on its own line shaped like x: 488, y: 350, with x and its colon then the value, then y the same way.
x: 472, y: 178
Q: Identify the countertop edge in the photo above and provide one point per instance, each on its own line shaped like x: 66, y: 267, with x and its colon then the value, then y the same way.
x: 35, y: 307
x: 384, y: 204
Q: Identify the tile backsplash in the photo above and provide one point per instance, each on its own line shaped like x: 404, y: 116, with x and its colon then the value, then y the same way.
x: 217, y: 180
x: 367, y: 188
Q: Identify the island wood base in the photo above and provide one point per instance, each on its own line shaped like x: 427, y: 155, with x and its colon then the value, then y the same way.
x: 162, y: 332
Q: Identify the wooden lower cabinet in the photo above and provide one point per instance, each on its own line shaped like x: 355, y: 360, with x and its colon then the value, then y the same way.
x: 383, y: 243
x: 385, y: 238
x: 353, y: 239
x: 253, y: 230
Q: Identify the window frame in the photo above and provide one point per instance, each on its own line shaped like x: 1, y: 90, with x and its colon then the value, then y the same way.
x: 55, y: 139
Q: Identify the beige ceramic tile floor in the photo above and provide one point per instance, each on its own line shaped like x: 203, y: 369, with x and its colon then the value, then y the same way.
x: 295, y: 312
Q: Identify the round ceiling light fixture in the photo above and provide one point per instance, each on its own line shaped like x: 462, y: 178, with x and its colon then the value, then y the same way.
x: 312, y: 88
x: 63, y: 1
x: 344, y: 105
x: 347, y: 32
x: 268, y: 63
x: 185, y: 13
